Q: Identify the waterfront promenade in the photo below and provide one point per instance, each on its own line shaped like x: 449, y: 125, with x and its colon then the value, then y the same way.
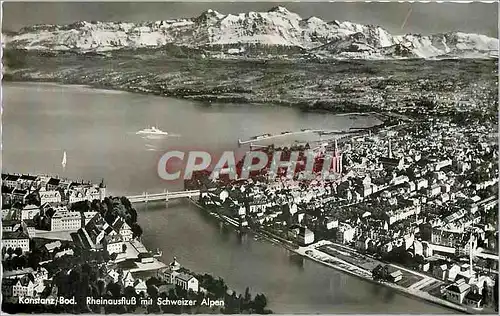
x: 312, y: 252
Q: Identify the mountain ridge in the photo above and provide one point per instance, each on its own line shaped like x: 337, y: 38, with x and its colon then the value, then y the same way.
x: 275, y: 27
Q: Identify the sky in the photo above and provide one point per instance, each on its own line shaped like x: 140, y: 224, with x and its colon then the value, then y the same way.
x: 425, y: 18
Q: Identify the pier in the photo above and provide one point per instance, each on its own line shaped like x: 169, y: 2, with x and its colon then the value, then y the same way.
x: 320, y: 132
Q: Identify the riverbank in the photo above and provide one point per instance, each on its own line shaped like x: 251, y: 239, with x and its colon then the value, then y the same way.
x: 312, y: 253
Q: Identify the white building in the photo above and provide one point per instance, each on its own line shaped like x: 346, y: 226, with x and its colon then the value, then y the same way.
x: 402, y: 214
x: 21, y: 287
x: 77, y: 196
x: 113, y: 243
x: 64, y: 220
x: 122, y: 228
x: 49, y: 197
x: 187, y: 282
x: 172, y: 275
x: 305, y: 236
x: 15, y: 240
x: 345, y: 233
x: 29, y: 211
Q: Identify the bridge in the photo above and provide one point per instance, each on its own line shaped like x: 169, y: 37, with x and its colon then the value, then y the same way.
x: 164, y: 196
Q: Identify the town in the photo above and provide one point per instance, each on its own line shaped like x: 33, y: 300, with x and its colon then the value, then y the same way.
x: 413, y: 206
x: 67, y: 241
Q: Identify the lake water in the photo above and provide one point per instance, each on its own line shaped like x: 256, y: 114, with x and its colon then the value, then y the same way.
x: 97, y: 130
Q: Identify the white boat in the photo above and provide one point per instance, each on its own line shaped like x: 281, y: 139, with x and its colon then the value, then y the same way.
x: 63, y: 163
x: 153, y: 131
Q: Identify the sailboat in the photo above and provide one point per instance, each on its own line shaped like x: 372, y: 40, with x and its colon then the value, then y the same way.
x: 63, y: 163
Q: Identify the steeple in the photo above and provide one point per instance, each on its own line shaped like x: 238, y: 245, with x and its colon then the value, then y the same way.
x: 471, y: 250
x: 390, y: 148
x: 102, y: 190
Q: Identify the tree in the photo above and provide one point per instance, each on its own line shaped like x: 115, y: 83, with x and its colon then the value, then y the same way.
x: 129, y: 292
x: 10, y: 251
x: 124, y: 248
x: 495, y: 292
x: 18, y: 251
x: 260, y: 303
x: 136, y: 230
x: 377, y: 273
x: 485, y: 293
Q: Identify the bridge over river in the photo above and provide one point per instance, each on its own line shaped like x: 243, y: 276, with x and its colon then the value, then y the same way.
x: 164, y: 196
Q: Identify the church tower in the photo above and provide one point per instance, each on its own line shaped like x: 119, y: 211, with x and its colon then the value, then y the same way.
x: 102, y: 190
x: 390, y: 148
x: 337, y: 160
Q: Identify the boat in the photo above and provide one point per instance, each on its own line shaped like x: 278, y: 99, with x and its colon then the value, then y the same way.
x: 152, y: 131
x: 63, y: 163
x: 157, y: 253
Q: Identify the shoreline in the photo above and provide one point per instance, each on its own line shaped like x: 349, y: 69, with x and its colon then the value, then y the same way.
x: 202, y: 98
x: 349, y: 268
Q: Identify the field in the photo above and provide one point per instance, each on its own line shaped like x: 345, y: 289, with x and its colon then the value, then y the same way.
x: 334, y: 85
x: 365, y: 262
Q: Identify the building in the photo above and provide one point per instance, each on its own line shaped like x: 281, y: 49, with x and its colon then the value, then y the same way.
x: 10, y: 225
x: 474, y: 299
x: 49, y: 197
x: 187, y: 282
x: 422, y: 184
x: 87, y: 216
x: 28, y: 226
x: 140, y: 286
x: 457, y: 291
x: 102, y: 190
x: 27, y: 182
x: 20, y: 196
x: 113, y: 243
x: 453, y: 272
x: 336, y: 160
x: 345, y: 233
x: 29, y: 211
x: 64, y: 220
x: 394, y: 216
x: 6, y: 195
x: 122, y: 228
x: 447, y: 238
x: 305, y: 236
x: 10, y: 180
x: 434, y: 190
x: 91, y: 236
x: 395, y: 276
x: 172, y: 275
x: 362, y: 243
x: 52, y: 184
x: 440, y: 272
x: 23, y: 286
x: 128, y: 279
x: 77, y: 196
x: 17, y: 239
x: 392, y: 163
x: 331, y: 223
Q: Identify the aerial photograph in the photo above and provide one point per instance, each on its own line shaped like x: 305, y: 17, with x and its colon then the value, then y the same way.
x: 249, y: 157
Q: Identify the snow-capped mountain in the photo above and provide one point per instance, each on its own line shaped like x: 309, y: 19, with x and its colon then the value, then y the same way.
x: 277, y: 26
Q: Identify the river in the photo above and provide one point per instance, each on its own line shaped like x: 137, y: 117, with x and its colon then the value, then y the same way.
x: 97, y: 129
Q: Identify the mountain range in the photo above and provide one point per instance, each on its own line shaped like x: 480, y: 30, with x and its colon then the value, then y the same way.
x: 276, y: 27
